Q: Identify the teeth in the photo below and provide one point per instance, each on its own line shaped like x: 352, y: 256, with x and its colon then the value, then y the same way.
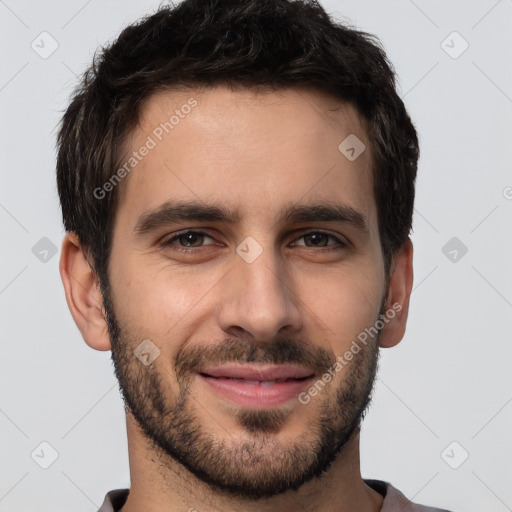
x: 268, y: 383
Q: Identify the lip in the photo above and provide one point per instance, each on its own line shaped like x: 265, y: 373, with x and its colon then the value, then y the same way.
x: 261, y: 372
x: 254, y: 385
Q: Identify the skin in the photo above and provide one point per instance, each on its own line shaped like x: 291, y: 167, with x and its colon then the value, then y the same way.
x: 255, y: 152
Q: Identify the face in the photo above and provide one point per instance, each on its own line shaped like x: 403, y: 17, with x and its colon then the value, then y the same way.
x: 245, y: 262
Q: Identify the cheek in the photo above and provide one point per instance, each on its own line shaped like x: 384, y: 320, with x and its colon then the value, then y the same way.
x: 343, y: 303
x: 160, y: 300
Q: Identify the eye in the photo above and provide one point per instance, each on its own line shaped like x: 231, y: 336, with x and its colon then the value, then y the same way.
x: 190, y: 239
x: 320, y: 239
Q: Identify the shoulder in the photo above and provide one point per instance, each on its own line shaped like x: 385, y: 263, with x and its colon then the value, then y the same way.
x: 114, y: 500
x: 393, y: 498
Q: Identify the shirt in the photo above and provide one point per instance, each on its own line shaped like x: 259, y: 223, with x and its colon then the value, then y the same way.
x: 394, y: 500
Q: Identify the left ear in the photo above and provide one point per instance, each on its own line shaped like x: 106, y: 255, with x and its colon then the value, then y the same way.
x: 399, y: 292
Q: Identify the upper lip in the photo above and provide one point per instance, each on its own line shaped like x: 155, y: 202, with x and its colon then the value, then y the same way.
x: 258, y: 372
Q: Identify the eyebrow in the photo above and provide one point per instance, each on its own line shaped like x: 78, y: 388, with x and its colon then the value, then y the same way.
x: 172, y: 212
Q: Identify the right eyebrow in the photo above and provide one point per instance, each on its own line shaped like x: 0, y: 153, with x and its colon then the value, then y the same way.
x: 171, y: 212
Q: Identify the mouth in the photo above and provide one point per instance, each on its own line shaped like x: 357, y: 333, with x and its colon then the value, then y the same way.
x: 257, y: 386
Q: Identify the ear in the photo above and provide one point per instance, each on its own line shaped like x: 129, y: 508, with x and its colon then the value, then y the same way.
x: 83, y: 294
x: 399, y: 292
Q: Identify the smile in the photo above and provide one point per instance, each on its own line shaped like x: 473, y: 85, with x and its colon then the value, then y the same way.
x: 257, y: 386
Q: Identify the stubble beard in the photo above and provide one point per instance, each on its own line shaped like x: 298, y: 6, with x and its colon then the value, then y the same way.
x: 254, y: 463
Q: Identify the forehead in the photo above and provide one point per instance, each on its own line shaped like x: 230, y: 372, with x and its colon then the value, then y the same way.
x: 253, y: 151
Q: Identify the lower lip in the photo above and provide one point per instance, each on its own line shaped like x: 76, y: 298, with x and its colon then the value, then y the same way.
x: 256, y: 395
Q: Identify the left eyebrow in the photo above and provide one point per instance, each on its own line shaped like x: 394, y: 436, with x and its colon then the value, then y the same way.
x: 326, y: 211
x: 172, y: 212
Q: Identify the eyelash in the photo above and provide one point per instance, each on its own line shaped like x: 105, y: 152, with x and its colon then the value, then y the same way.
x: 169, y: 242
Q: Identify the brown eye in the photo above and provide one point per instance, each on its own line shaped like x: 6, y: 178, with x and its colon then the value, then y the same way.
x: 321, y: 239
x: 187, y: 240
x: 317, y: 239
x: 194, y: 239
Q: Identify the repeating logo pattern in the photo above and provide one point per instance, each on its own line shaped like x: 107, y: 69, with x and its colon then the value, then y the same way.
x: 60, y: 417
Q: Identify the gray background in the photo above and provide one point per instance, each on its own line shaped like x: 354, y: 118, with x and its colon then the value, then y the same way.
x: 449, y: 380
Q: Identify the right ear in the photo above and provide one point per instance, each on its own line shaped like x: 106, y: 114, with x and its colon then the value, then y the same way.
x: 83, y: 294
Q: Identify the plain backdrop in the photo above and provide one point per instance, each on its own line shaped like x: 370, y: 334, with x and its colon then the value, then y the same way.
x: 439, y: 427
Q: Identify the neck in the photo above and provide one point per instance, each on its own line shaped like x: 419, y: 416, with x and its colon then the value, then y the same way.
x: 165, y: 485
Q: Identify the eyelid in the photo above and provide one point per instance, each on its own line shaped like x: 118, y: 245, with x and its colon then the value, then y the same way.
x: 168, y: 239
x: 342, y: 240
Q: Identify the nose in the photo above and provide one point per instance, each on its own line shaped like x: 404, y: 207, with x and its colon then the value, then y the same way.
x: 258, y: 299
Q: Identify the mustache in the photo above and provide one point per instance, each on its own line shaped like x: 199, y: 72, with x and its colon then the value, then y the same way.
x: 281, y: 351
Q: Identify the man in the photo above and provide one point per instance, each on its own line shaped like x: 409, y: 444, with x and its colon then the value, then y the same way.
x: 237, y: 184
